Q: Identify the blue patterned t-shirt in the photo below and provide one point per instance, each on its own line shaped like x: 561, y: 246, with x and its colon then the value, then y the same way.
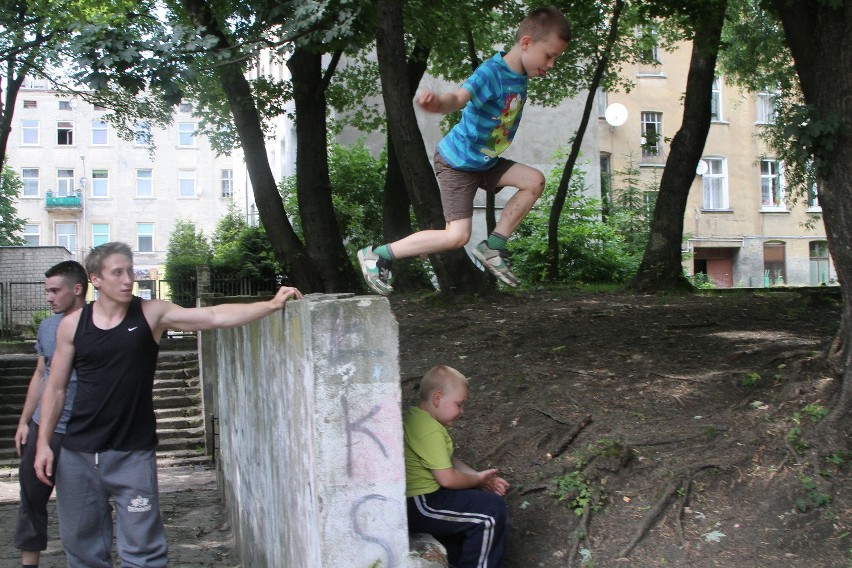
x: 489, y: 120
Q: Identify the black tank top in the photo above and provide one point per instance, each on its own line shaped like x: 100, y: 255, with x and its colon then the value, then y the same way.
x: 113, y: 407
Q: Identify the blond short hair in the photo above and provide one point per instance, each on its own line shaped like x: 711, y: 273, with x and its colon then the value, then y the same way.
x: 440, y: 378
x: 95, y: 260
x: 542, y: 22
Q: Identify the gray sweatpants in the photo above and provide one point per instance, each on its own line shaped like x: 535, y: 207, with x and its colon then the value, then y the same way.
x: 85, y: 483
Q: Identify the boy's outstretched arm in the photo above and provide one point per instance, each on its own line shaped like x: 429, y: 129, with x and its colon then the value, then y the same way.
x: 492, y: 483
x: 462, y: 476
x: 445, y: 102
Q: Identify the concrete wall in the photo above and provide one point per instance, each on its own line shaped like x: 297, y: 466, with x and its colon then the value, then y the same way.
x: 27, y: 264
x: 22, y: 285
x: 311, y: 434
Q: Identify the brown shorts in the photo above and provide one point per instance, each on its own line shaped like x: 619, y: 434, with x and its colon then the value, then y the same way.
x: 458, y: 186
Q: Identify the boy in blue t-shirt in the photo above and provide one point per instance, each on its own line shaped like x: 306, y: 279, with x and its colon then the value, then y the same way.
x: 461, y: 507
x: 469, y: 156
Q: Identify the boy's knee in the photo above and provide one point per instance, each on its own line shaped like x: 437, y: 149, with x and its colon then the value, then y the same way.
x: 537, y: 184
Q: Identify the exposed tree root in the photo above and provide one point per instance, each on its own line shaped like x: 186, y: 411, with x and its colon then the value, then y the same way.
x: 651, y: 518
x: 567, y: 439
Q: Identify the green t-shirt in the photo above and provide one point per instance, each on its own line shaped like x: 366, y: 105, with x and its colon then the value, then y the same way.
x: 428, y: 446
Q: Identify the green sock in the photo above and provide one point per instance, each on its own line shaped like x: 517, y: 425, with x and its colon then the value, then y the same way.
x: 496, y: 241
x: 384, y: 252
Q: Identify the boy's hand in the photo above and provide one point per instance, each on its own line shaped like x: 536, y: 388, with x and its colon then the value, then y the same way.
x: 429, y: 101
x: 496, y: 484
x: 489, y: 481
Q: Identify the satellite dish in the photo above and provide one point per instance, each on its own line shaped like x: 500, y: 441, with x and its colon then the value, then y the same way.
x: 701, y: 168
x: 615, y: 114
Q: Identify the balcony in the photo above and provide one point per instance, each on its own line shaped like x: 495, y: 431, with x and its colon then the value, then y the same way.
x: 64, y: 202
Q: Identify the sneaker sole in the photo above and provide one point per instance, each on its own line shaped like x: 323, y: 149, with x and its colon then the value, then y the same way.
x: 513, y: 282
x: 378, y: 288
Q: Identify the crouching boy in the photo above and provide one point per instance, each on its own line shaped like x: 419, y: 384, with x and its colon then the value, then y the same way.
x: 461, y: 507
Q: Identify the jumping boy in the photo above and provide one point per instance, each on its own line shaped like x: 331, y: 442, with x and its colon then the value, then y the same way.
x: 468, y: 157
x: 461, y: 507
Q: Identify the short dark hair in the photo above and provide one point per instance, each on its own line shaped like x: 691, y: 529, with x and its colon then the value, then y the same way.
x: 95, y: 259
x: 542, y: 22
x: 72, y: 272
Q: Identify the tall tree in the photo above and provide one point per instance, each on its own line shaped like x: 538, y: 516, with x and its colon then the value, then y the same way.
x: 817, y: 33
x: 661, y: 266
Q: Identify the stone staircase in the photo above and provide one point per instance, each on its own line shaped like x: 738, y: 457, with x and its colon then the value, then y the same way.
x: 177, y: 401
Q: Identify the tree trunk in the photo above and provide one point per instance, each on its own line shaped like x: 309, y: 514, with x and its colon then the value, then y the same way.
x: 313, y: 186
x: 396, y: 205
x: 562, y: 190
x: 661, y: 266
x: 289, y: 250
x: 819, y: 39
x: 455, y: 271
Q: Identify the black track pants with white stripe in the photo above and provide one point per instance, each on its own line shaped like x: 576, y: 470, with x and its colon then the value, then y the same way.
x: 471, y: 523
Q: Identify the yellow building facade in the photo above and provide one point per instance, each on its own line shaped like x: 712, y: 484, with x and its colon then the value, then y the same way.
x: 741, y: 227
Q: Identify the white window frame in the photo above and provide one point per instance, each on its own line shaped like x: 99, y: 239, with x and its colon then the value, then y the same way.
x: 32, y: 234
x: 100, y: 183
x: 65, y: 183
x: 100, y: 132
x: 65, y: 131
x: 28, y: 128
x: 715, y: 185
x: 766, y: 108
x: 142, y: 135
x: 187, y: 181
x: 100, y: 233
x: 655, y: 119
x: 186, y: 134
x: 145, y: 236
x: 772, y: 185
x: 716, y: 101
x: 145, y: 181
x: 31, y: 186
x: 227, y: 176
x: 66, y: 239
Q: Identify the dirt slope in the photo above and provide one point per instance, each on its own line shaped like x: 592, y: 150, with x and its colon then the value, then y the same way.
x: 674, y: 417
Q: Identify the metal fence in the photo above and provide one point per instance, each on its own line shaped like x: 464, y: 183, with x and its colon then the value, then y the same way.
x: 23, y: 304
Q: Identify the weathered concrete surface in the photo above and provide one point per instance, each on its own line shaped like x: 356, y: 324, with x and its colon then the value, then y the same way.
x: 311, y: 435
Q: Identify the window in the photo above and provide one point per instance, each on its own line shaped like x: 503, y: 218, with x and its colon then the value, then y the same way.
x: 227, y: 183
x: 142, y: 134
x: 606, y: 184
x: 29, y: 178
x: 66, y: 236
x: 30, y: 104
x: 813, y: 199
x: 820, y: 268
x: 32, y: 235
x: 144, y: 237
x: 29, y: 132
x: 186, y: 134
x: 774, y: 272
x: 771, y: 185
x: 100, y: 234
x: 65, y: 133
x: 601, y: 101
x: 144, y: 183
x: 64, y: 183
x: 99, y: 133
x: 185, y: 107
x: 649, y: 50
x: 766, y: 108
x: 715, y: 182
x: 65, y: 105
x: 186, y: 183
x: 652, y: 133
x: 716, y: 100
x: 100, y: 183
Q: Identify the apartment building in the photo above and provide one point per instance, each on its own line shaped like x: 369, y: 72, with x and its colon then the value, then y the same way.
x: 84, y: 186
x: 741, y: 227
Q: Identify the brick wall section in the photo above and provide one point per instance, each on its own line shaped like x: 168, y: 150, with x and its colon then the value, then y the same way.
x: 27, y: 264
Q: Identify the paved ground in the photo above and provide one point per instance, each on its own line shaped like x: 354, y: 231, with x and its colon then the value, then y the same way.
x: 197, y: 528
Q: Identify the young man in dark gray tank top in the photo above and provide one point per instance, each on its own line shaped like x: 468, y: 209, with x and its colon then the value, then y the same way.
x: 109, y: 450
